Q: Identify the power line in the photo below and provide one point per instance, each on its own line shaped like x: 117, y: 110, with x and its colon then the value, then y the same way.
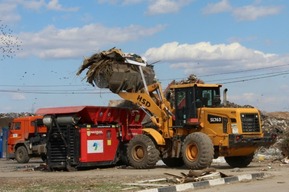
x: 242, y: 71
x: 264, y: 75
x: 56, y: 92
x: 231, y: 72
x: 93, y: 91
x: 70, y: 85
x: 255, y: 78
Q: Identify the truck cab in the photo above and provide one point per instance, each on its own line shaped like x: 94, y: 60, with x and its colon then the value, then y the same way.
x: 189, y: 98
x: 27, y: 138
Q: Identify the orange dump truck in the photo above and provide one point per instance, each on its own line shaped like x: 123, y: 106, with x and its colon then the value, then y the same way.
x: 27, y: 138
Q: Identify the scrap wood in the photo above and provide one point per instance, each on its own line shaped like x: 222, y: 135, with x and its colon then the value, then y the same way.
x: 152, y: 180
x: 146, y: 184
x: 149, y: 183
x: 196, y: 175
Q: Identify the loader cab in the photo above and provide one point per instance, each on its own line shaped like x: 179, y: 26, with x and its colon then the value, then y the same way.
x: 188, y: 98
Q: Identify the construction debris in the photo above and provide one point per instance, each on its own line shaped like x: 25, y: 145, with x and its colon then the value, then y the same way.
x: 197, y: 175
x: 117, y: 71
x: 191, y: 79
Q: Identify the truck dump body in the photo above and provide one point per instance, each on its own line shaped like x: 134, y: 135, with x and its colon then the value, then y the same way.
x: 84, y: 136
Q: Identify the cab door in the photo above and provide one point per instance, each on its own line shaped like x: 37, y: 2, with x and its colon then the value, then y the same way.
x: 185, y: 107
x: 15, y: 135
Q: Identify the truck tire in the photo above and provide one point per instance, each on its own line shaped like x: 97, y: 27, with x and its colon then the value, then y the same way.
x: 142, y: 152
x: 239, y: 161
x: 173, y: 162
x: 197, y: 151
x: 21, y: 155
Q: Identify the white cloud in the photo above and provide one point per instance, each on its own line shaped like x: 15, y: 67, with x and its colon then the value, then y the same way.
x: 108, y: 1
x: 205, y: 57
x: 54, y: 5
x: 155, y: 7
x: 31, y: 4
x: 8, y: 13
x: 18, y: 96
x: 128, y: 2
x: 166, y: 6
x: 219, y: 7
x: 255, y: 12
x: 123, y: 2
x: 248, y: 12
x: 75, y: 42
x: 267, y: 102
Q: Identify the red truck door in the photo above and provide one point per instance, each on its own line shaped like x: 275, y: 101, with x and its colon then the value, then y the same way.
x: 16, y: 135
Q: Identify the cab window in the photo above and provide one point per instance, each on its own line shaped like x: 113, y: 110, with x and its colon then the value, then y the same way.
x: 209, y: 97
x: 16, y: 126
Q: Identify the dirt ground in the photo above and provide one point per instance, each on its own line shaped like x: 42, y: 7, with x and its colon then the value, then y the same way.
x: 33, y: 177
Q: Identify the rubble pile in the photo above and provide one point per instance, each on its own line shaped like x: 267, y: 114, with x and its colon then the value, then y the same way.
x: 197, y: 175
x: 234, y: 105
x: 191, y: 79
x: 6, y: 118
x: 117, y: 71
x: 278, y: 122
x: 14, y: 115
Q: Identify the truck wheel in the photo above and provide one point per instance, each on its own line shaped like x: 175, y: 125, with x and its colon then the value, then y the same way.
x: 21, y: 155
x: 173, y: 162
x: 197, y: 151
x: 239, y: 161
x: 142, y: 152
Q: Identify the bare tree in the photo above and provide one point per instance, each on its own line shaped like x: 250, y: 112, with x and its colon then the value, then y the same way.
x: 9, y: 44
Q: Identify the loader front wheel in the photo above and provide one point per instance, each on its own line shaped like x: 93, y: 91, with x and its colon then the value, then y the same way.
x: 21, y: 155
x: 197, y: 151
x: 239, y: 161
x: 142, y: 152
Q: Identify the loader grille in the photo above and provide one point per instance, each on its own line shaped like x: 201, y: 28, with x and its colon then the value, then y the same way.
x: 250, y: 122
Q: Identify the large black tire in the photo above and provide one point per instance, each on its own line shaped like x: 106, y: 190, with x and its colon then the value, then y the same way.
x: 173, y: 162
x: 142, y: 152
x: 239, y: 161
x: 197, y: 151
x: 21, y: 155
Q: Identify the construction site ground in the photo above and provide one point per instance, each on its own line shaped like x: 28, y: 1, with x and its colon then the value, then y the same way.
x: 34, y: 177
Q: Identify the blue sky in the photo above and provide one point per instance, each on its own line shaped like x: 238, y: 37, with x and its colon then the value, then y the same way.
x: 243, y: 45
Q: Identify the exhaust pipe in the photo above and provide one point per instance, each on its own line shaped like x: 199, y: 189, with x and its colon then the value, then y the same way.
x: 225, y: 97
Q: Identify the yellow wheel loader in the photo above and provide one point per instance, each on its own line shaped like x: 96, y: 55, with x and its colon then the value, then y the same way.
x: 190, y: 126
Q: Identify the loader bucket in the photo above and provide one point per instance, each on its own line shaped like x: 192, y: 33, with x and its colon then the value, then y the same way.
x: 109, y: 69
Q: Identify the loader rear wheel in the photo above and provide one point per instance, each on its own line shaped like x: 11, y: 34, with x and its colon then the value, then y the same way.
x: 239, y: 161
x: 173, y: 162
x: 21, y: 155
x: 197, y: 151
x: 142, y: 152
